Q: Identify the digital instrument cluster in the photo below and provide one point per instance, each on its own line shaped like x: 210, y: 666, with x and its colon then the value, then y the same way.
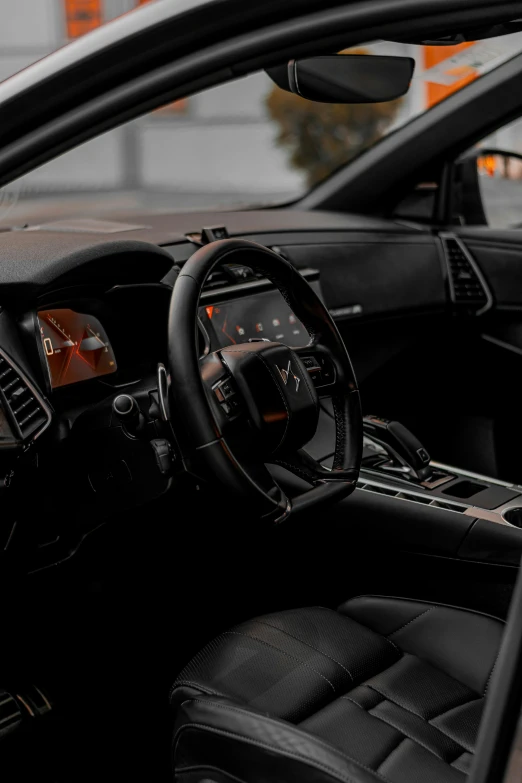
x: 75, y: 346
x: 263, y: 316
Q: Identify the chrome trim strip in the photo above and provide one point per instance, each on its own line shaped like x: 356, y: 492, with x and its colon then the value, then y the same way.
x: 211, y: 443
x: 449, y: 235
x: 490, y: 515
x: 476, y: 476
x: 163, y: 391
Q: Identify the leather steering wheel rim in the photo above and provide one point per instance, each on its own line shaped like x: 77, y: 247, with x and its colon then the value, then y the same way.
x: 206, y: 437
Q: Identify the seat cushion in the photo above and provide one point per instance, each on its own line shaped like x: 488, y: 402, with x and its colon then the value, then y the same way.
x: 395, y: 686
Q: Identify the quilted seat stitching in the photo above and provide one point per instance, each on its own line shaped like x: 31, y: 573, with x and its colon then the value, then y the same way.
x: 456, y: 707
x: 293, y: 657
x: 401, y: 730
x: 465, y: 753
x: 386, y: 638
x: 414, y: 620
x: 390, y: 754
x: 307, y: 644
x: 420, y: 716
x: 347, y: 698
x: 492, y: 670
x: 415, y: 739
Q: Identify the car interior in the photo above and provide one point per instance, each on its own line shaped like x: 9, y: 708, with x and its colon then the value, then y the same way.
x: 261, y: 497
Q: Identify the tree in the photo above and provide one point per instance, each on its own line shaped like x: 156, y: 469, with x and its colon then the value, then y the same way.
x: 321, y: 137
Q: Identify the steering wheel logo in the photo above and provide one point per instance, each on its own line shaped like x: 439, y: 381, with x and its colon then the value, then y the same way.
x: 287, y: 374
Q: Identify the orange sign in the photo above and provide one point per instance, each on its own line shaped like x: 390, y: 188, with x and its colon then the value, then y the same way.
x: 82, y: 16
x: 488, y: 164
x: 462, y: 75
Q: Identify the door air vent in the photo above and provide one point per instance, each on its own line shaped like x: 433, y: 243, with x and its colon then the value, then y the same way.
x: 467, y: 285
x: 28, y: 410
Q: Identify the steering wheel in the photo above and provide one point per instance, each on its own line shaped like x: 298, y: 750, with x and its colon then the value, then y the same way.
x: 252, y: 404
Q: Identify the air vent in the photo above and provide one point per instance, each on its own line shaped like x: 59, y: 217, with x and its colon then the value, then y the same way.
x: 27, y: 408
x: 231, y: 274
x: 467, y: 285
x: 217, y: 279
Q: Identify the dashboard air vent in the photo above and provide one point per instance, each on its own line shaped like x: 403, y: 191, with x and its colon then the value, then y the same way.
x: 27, y: 408
x: 467, y: 285
x: 216, y: 279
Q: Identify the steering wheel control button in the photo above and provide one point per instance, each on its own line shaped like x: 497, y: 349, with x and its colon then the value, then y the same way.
x: 226, y: 396
x: 327, y: 371
x: 310, y: 363
x: 314, y: 370
x: 227, y: 389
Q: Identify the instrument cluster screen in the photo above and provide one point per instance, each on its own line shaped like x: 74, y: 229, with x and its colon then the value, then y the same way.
x: 264, y: 316
x: 75, y: 346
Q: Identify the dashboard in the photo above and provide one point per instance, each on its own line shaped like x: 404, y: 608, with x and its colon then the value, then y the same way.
x: 113, y: 338
x: 87, y: 320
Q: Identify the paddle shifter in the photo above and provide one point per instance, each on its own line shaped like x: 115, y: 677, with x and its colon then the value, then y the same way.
x: 400, y: 444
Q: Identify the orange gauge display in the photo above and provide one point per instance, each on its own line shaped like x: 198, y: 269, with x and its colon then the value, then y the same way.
x: 75, y: 346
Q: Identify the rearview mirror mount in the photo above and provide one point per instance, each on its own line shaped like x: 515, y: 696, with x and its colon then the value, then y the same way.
x: 346, y: 78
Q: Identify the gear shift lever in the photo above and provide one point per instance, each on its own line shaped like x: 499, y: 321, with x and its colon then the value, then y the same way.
x: 400, y: 443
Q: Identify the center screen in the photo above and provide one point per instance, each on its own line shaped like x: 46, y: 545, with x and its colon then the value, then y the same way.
x: 75, y: 345
x: 265, y: 316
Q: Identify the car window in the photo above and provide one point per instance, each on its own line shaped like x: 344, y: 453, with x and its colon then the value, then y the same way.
x: 499, y: 176
x: 245, y: 143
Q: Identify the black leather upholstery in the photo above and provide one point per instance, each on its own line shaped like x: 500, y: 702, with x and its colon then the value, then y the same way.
x: 383, y: 689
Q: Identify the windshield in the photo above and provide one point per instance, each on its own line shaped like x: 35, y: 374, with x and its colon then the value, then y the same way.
x: 243, y: 144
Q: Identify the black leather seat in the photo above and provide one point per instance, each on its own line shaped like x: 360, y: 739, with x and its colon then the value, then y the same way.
x: 383, y: 689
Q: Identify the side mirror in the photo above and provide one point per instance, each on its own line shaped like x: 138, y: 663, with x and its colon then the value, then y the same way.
x: 488, y: 188
x: 346, y: 78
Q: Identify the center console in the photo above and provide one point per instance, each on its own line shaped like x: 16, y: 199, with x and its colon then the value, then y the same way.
x: 393, y: 454
x: 406, y: 500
